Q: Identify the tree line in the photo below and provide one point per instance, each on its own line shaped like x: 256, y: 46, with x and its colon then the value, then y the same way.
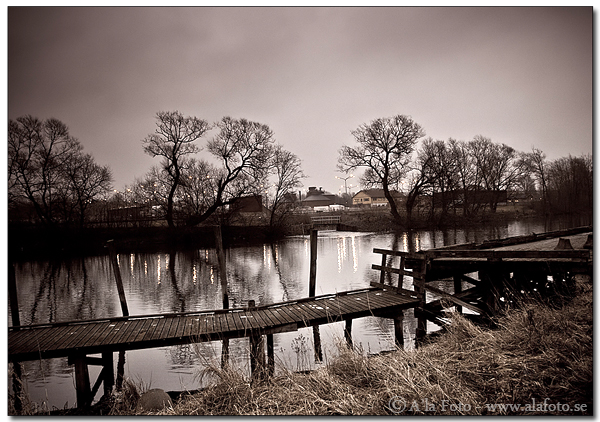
x: 470, y: 176
x: 198, y: 175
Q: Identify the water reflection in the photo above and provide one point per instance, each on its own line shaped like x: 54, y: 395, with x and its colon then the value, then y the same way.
x: 181, y: 281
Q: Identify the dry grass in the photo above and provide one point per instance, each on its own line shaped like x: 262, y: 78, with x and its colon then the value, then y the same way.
x: 537, y: 353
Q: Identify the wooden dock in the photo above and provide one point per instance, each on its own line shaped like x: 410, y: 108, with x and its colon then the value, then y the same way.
x: 494, y: 272
x: 488, y: 271
x: 44, y: 341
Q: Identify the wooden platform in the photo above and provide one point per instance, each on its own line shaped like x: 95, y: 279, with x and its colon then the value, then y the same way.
x: 139, y: 332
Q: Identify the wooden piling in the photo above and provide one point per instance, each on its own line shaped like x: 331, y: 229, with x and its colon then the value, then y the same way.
x: 312, y: 284
x: 225, y: 295
x: 115, y: 265
x: 399, y: 329
x: 257, y: 351
x: 419, y: 281
x: 348, y: 333
x: 563, y: 243
x: 82, y: 380
x: 270, y: 355
x: 457, y: 289
x: 317, y: 344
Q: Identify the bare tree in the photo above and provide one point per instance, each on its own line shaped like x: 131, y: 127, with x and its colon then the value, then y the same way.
x: 86, y: 182
x: 48, y: 169
x: 244, y: 149
x: 174, y: 140
x: 536, y: 164
x: 287, y: 170
x: 384, y: 149
x: 570, y: 183
x: 498, y: 164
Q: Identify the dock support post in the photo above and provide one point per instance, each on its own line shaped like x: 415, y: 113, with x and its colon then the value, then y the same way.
x: 457, y: 289
x: 225, y: 295
x: 115, y: 265
x: 317, y: 344
x: 419, y: 280
x: 82, y: 381
x: 399, y: 329
x: 348, y: 333
x: 270, y: 355
x: 313, y: 263
x: 108, y: 374
x: 257, y: 351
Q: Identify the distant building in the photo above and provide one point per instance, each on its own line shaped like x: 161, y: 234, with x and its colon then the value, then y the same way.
x: 373, y: 198
x: 252, y: 203
x: 318, y: 198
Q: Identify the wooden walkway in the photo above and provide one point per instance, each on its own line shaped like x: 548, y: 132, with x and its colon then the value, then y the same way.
x: 139, y: 332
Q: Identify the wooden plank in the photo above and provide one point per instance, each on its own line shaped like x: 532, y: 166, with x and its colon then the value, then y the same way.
x: 275, y: 317
x: 208, y: 324
x: 189, y: 322
x: 172, y: 333
x: 90, y: 332
x: 462, y: 295
x: 55, y: 337
x: 23, y: 339
x: 163, y: 325
x: 67, y: 339
x: 230, y: 320
x: 120, y: 330
x: 180, y: 327
x: 142, y: 330
x: 455, y: 300
x: 260, y: 319
x: 156, y: 325
x: 281, y: 316
x: 292, y: 317
x: 310, y: 312
x: 340, y: 307
x: 248, y: 319
x: 510, y: 254
x: 395, y: 271
x: 98, y: 336
x: 239, y: 324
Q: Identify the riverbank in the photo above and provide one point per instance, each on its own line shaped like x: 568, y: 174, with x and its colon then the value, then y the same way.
x: 539, y: 361
x: 31, y: 242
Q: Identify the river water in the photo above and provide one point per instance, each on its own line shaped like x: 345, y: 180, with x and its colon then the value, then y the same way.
x: 50, y: 291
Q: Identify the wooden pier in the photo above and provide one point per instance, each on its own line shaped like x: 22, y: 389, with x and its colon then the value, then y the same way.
x: 493, y: 272
x: 78, y: 339
x: 480, y: 276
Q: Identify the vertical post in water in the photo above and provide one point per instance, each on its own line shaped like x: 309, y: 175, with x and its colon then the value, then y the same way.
x: 270, y: 355
x: 257, y: 351
x: 399, y: 329
x: 115, y: 265
x: 312, y: 285
x: 348, y: 332
x: 225, y: 295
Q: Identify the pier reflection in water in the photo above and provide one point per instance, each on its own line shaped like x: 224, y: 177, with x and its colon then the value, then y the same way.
x: 189, y: 280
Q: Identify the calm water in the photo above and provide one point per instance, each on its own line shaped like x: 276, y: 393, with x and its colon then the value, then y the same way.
x: 189, y: 281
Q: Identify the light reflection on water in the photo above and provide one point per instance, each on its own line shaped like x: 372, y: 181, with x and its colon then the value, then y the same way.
x: 189, y: 280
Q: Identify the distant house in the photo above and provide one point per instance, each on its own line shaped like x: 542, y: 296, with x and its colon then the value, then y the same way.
x: 318, y: 198
x: 373, y: 198
x: 252, y: 203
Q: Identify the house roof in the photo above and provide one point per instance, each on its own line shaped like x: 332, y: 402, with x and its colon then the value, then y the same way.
x: 377, y: 193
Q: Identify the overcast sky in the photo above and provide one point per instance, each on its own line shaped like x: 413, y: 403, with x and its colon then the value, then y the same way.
x: 520, y: 76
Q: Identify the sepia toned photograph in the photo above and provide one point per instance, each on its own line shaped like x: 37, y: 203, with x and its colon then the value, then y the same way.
x: 299, y: 210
